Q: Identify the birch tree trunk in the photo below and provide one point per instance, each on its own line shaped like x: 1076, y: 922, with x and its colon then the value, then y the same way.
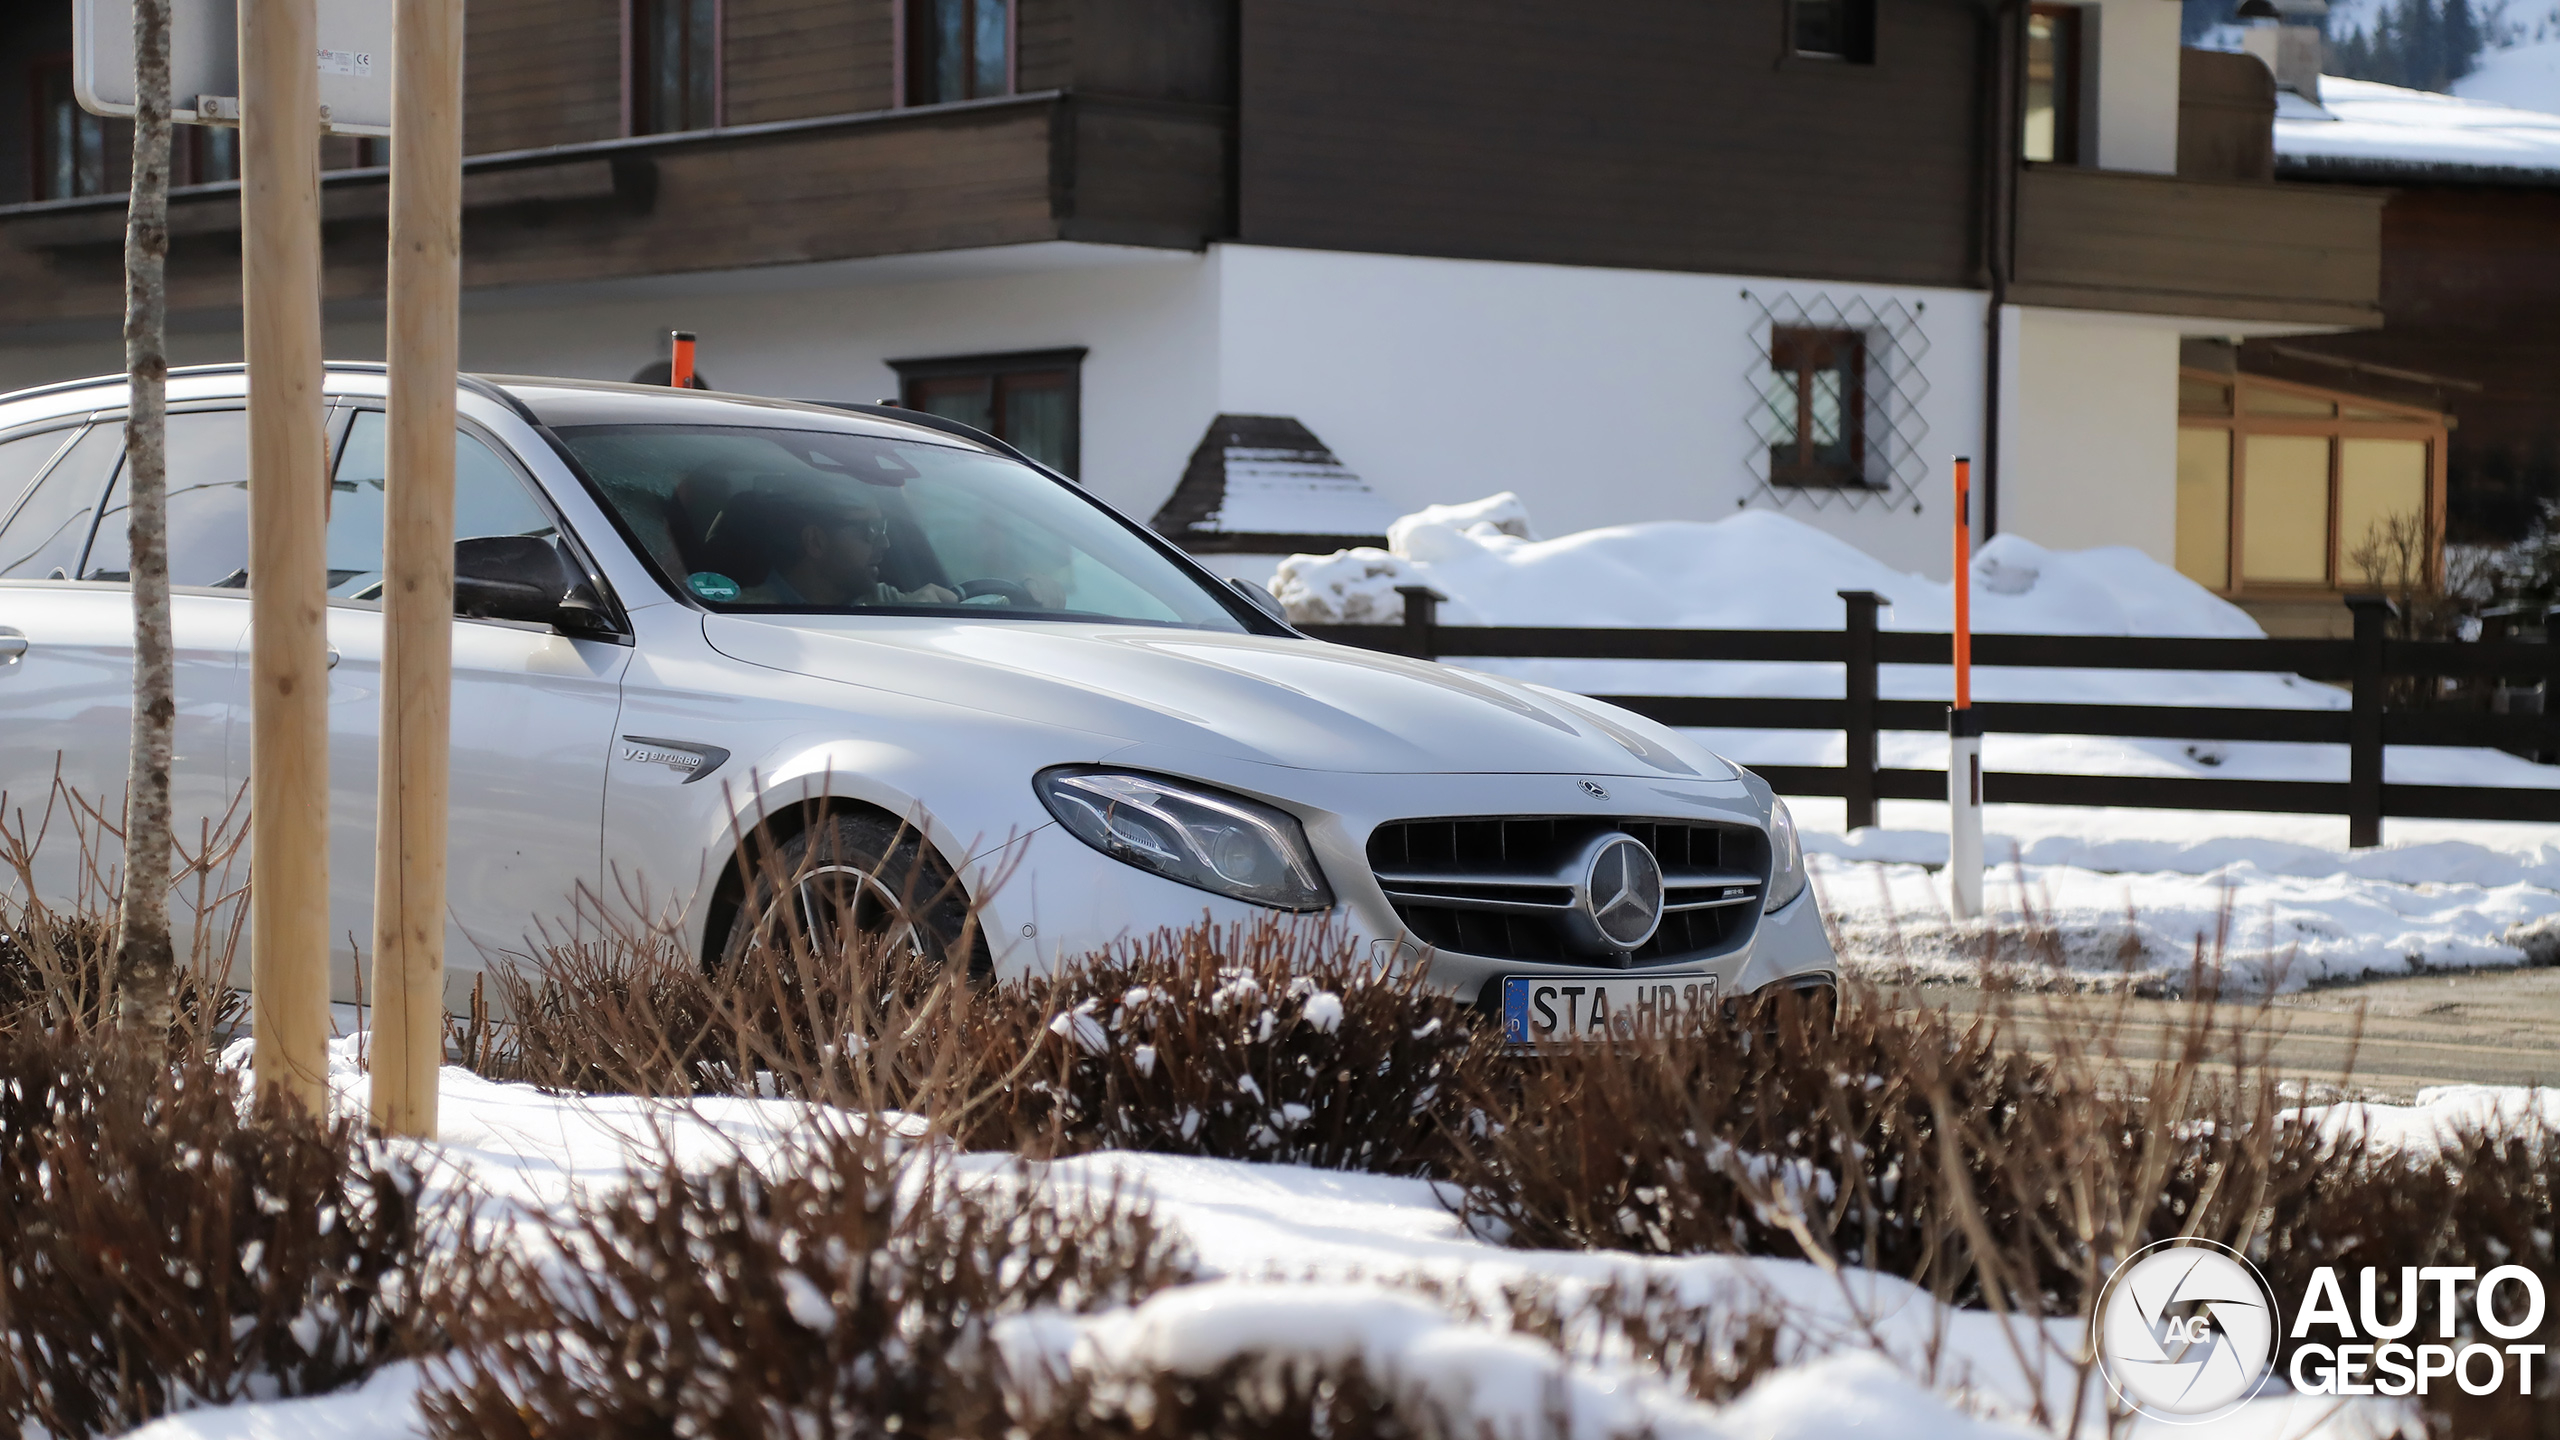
x: 146, y: 957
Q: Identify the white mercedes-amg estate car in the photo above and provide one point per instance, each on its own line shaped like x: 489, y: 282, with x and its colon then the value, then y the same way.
x: 685, y: 614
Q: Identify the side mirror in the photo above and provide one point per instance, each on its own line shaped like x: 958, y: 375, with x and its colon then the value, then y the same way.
x: 1260, y: 599
x: 522, y: 577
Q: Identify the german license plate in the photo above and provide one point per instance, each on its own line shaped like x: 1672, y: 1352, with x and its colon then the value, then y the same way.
x: 1549, y: 1009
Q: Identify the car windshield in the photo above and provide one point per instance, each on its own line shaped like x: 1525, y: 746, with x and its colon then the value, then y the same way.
x: 755, y: 519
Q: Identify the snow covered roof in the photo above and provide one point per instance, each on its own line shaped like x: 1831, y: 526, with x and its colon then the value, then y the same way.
x: 1266, y: 484
x: 2361, y: 128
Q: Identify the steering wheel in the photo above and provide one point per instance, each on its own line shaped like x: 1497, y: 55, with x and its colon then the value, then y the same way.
x: 1014, y: 592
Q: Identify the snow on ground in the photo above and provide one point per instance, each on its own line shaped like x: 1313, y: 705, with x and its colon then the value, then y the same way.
x: 2420, y: 1129
x: 1317, y: 1264
x: 2302, y: 906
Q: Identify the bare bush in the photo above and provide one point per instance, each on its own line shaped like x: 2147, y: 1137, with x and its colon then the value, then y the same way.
x: 1255, y: 1042
x: 1248, y: 1398
x: 159, y: 1251
x: 57, y: 956
x: 1710, y: 1350
x: 1266, y: 1042
x: 843, y: 1288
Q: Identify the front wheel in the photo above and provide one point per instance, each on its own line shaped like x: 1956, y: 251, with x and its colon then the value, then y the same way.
x: 851, y: 884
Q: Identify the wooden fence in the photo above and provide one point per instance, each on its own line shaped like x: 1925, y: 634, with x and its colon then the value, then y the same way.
x: 2367, y: 663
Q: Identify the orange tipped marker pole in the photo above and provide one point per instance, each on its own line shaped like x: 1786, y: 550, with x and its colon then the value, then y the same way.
x: 1964, y: 729
x: 680, y: 368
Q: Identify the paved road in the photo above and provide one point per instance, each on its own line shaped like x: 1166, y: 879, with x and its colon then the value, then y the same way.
x: 2495, y: 1027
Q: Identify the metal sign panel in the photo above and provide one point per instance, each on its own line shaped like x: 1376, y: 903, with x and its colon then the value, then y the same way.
x: 204, y: 62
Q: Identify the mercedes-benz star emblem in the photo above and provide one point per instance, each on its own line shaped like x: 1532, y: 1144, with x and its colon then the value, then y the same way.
x: 2185, y: 1330
x: 1595, y: 790
x: 1622, y: 891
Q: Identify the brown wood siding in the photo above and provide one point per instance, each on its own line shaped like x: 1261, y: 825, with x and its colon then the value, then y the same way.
x: 1161, y: 49
x: 2469, y: 293
x: 1656, y: 133
x: 1146, y: 173
x: 793, y: 59
x: 2105, y: 240
x: 541, y: 72
x: 1044, y: 40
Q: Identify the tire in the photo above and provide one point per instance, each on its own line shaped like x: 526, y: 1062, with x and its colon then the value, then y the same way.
x: 894, y: 887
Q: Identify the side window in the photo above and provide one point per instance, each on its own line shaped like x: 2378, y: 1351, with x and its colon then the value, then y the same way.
x: 23, y: 458
x: 43, y: 540
x: 489, y: 498
x: 208, y: 506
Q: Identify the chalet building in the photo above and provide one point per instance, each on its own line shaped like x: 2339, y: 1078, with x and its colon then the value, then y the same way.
x: 2470, y: 283
x: 1654, y: 259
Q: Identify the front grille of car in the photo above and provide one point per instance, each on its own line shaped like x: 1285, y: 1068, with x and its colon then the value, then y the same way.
x: 1500, y: 887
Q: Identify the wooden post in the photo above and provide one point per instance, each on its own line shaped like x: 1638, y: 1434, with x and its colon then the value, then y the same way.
x: 1858, y: 720
x: 2364, y: 720
x: 1421, y: 617
x: 288, y: 524
x: 424, y: 339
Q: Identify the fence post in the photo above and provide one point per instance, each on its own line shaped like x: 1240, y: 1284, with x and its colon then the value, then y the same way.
x: 2364, y: 721
x: 1858, y: 723
x: 1421, y: 617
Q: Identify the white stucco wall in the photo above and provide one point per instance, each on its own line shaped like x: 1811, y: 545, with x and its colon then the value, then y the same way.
x: 1147, y: 317
x: 2089, y: 430
x: 1601, y: 396
x: 2137, y: 85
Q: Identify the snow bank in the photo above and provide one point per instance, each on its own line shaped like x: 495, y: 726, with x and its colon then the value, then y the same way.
x: 1758, y: 570
x: 2266, y: 929
x: 2422, y: 1129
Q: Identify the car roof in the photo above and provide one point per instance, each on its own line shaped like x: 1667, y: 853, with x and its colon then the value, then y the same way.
x: 549, y: 400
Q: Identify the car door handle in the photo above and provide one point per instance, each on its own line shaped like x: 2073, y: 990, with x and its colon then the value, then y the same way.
x: 13, y: 646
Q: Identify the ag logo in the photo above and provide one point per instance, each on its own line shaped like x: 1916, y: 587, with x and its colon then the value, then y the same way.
x: 2185, y: 1331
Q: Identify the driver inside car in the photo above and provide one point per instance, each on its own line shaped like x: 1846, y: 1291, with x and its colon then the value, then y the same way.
x: 826, y: 545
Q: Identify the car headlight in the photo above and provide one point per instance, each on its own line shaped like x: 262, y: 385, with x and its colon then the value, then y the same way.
x: 1222, y: 843
x: 1786, y: 856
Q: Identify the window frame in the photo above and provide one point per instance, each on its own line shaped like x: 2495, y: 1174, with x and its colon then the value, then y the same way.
x: 2071, y: 110
x: 40, y: 133
x: 1805, y: 474
x: 907, y: 34
x: 634, y: 51
x: 2236, y: 424
x: 995, y: 367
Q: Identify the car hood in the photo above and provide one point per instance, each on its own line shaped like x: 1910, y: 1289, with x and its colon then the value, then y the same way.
x: 1269, y: 700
